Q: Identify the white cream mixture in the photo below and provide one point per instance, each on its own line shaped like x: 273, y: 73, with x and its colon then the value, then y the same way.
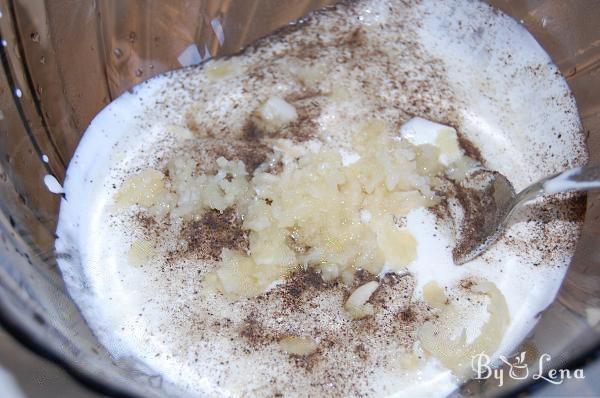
x: 458, y: 63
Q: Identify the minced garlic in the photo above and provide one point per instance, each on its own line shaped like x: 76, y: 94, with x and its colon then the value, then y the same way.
x: 274, y: 114
x: 317, y: 212
x: 317, y: 202
x: 298, y: 345
x: 144, y: 188
x: 140, y: 252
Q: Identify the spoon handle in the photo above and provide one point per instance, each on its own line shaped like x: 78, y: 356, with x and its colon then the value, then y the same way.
x: 578, y: 179
x: 582, y: 178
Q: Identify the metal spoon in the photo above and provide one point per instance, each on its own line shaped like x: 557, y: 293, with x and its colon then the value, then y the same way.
x: 489, y: 201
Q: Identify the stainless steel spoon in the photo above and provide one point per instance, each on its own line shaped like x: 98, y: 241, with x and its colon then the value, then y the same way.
x: 490, y: 201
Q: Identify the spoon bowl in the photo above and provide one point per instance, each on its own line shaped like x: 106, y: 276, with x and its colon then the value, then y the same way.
x: 489, y: 201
